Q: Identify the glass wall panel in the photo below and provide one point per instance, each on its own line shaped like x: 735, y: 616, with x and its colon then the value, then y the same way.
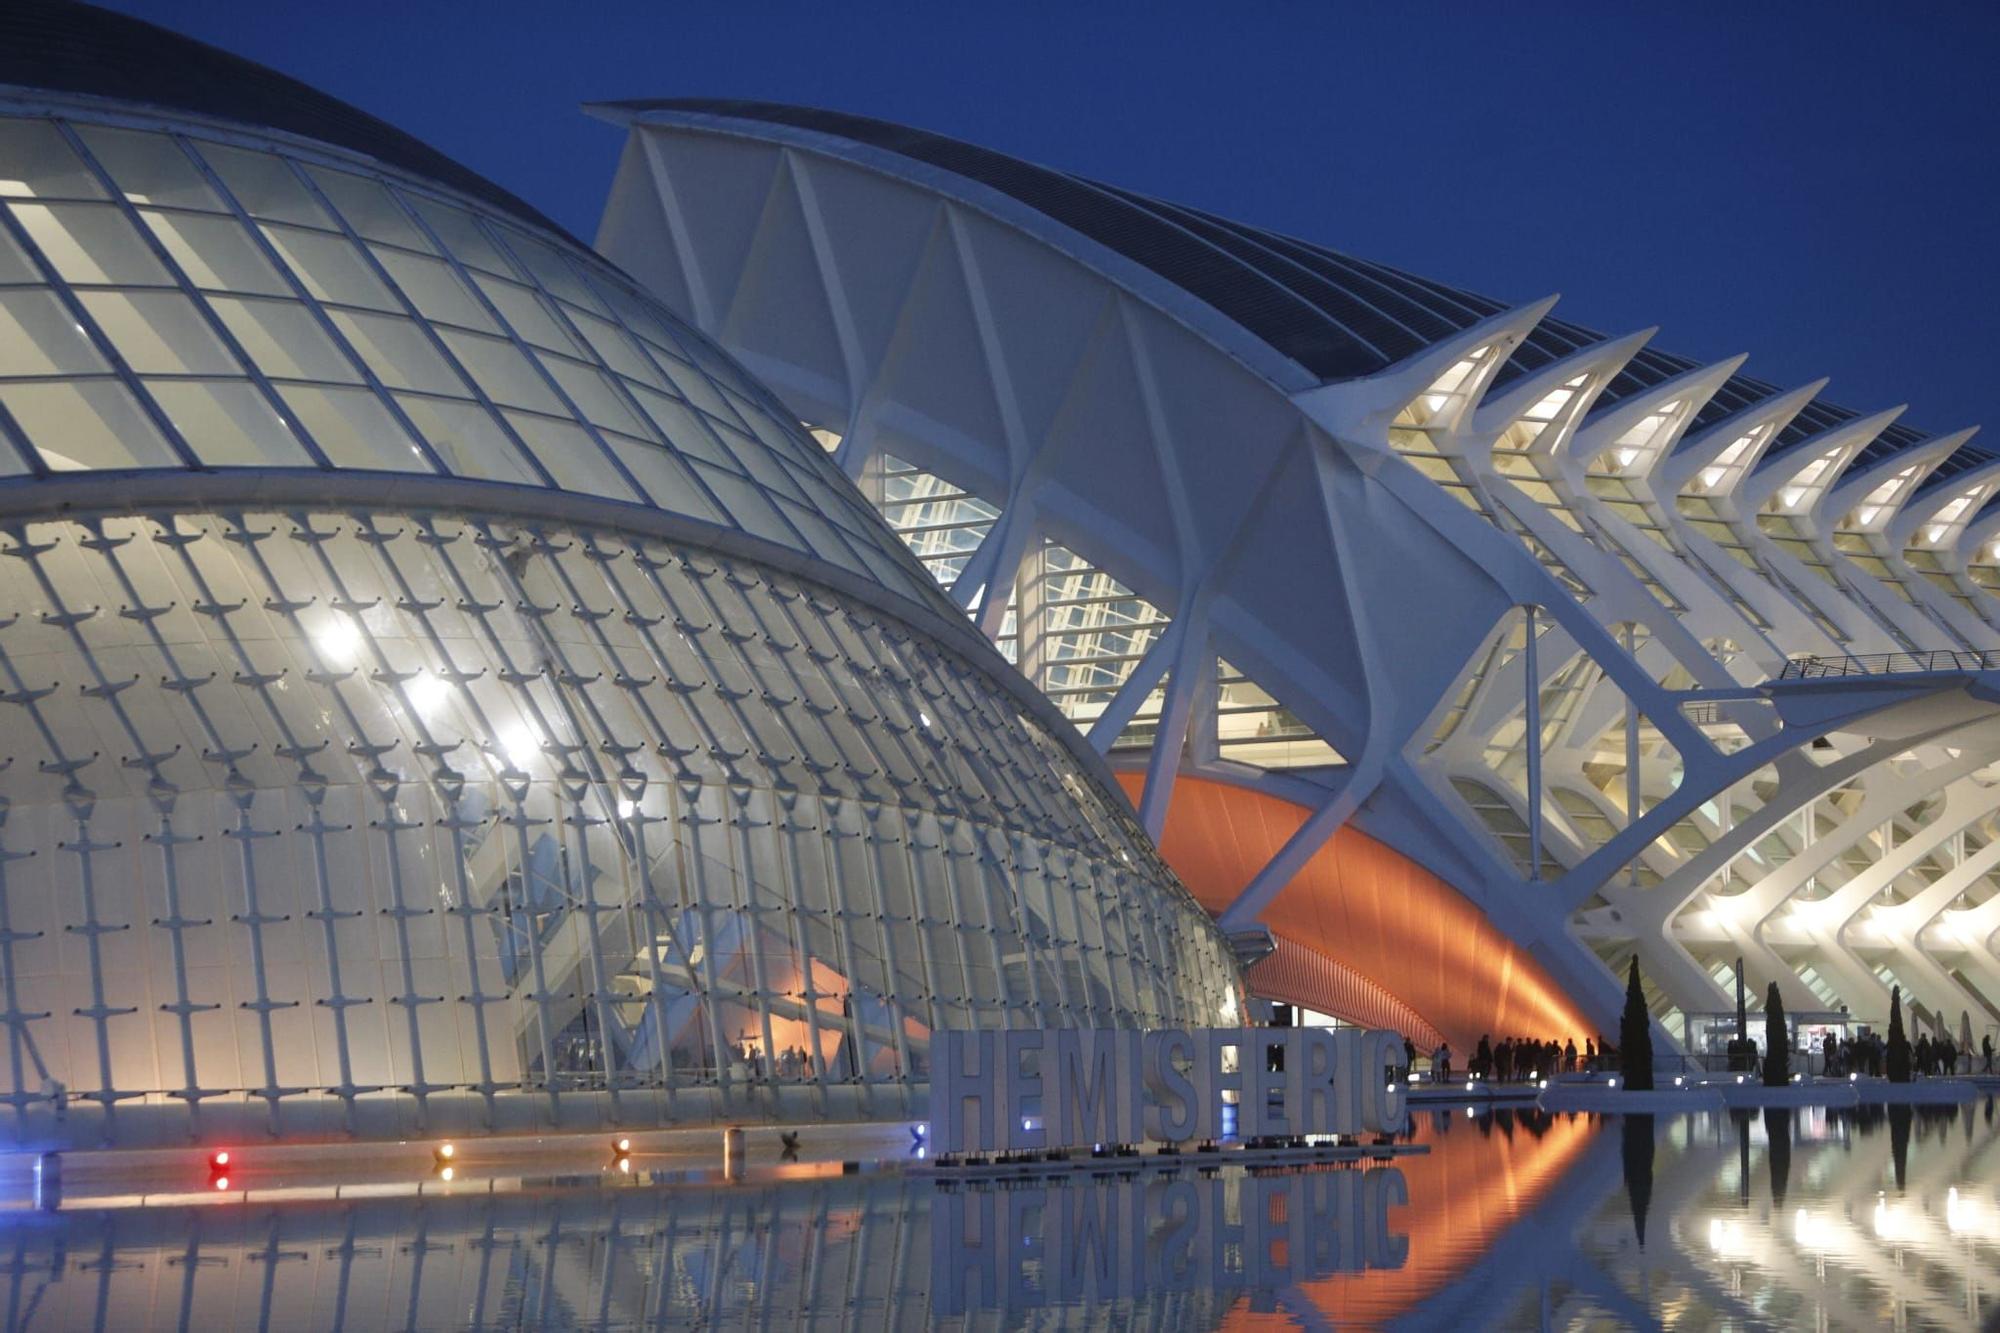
x: 353, y: 429
x: 399, y: 352
x: 503, y: 373
x: 39, y: 337
x: 40, y: 164
x: 284, y: 340
x: 368, y: 208
x: 90, y: 243
x: 330, y: 267
x: 264, y: 186
x: 78, y: 424
x: 435, y: 290
x: 468, y: 439
x: 149, y: 168
x: 228, y: 423
x: 570, y: 455
x: 159, y: 332
x: 215, y: 253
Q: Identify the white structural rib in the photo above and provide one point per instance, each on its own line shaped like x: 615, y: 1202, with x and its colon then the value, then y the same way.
x: 1373, y: 551
x: 1813, y: 465
x: 1712, y: 462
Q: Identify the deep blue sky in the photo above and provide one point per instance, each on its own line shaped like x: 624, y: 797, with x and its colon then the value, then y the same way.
x: 1814, y: 185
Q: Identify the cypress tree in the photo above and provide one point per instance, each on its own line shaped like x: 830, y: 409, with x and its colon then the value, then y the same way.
x: 1635, y: 1036
x: 1897, y: 1054
x: 1777, y: 1042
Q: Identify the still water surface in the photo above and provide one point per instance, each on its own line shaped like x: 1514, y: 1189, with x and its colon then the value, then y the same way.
x: 1808, y: 1219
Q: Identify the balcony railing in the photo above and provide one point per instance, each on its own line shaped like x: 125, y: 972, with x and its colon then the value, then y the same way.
x: 1889, y: 664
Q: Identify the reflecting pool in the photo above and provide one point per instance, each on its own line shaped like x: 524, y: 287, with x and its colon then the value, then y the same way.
x: 1514, y: 1219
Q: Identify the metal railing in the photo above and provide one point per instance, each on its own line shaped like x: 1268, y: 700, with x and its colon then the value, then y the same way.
x: 1889, y: 664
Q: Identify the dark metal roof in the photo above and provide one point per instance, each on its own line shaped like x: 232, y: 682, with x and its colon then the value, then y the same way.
x: 1337, y: 316
x: 61, y: 46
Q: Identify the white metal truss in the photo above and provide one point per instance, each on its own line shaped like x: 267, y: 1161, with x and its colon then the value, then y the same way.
x: 1532, y: 631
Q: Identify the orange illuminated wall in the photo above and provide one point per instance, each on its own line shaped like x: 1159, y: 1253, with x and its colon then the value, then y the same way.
x: 1370, y: 910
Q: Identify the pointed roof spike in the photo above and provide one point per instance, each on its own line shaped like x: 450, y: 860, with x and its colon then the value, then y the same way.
x: 1606, y: 358
x: 1358, y: 409
x: 1764, y: 419
x: 1696, y: 386
x: 1921, y: 510
x: 1855, y: 486
x: 1774, y: 473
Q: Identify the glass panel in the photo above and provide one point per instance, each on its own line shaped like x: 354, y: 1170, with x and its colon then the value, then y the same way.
x: 90, y: 243
x: 571, y: 456
x: 331, y: 268
x: 461, y: 236
x: 159, y: 332
x: 552, y: 271
x: 369, y: 209
x: 468, y: 439
x: 435, y: 289
x: 284, y: 339
x: 398, y: 351
x: 215, y: 253
x: 749, y: 506
x: 38, y: 163
x: 265, y: 186
x: 527, y: 316
x: 14, y: 266
x: 85, y: 424
x: 227, y: 423
x: 502, y: 371
x: 611, y: 343
x: 665, y: 478
x: 593, y: 395
x: 39, y: 337
x: 682, y: 427
x: 148, y: 168
x: 353, y: 429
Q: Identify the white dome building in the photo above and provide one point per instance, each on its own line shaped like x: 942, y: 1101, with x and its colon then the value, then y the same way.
x: 444, y: 693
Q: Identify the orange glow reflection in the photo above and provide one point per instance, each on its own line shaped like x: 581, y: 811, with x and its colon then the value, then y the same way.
x: 1371, y: 910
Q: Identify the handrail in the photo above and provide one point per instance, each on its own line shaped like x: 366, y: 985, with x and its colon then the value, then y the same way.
x: 1889, y: 664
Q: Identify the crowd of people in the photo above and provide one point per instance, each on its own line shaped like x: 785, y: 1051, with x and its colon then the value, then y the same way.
x: 1935, y: 1057
x: 1516, y: 1059
x: 1524, y: 1060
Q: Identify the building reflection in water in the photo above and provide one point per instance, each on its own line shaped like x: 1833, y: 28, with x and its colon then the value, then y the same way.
x: 1805, y: 1219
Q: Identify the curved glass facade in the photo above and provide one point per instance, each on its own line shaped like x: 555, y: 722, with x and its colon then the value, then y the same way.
x: 329, y: 810
x: 310, y: 809
x: 173, y: 301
